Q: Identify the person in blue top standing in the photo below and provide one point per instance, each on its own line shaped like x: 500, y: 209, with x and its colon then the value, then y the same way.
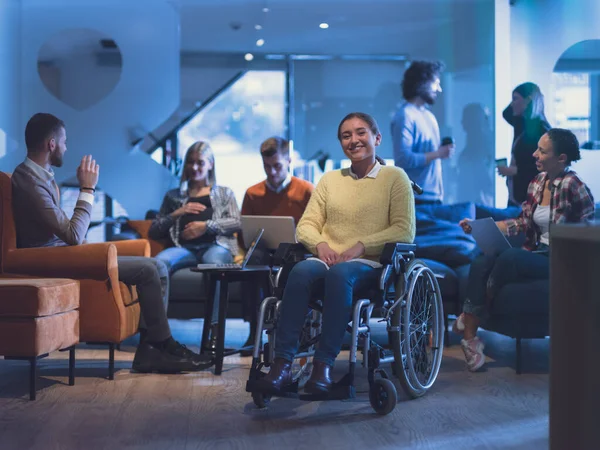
x: 415, y: 131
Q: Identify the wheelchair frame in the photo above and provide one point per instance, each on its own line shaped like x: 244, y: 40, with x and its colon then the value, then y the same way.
x: 417, y: 344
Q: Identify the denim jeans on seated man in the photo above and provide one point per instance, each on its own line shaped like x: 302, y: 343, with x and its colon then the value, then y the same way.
x: 176, y: 258
x: 312, y: 279
x: 489, y: 274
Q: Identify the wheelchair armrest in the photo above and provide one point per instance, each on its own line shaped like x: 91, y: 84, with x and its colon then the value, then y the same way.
x: 388, y: 255
x: 288, y: 252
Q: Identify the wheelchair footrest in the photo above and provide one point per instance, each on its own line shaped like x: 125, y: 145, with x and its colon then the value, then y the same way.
x: 337, y: 392
x: 261, y: 387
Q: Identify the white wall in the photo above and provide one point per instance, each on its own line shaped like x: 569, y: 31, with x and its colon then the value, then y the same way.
x: 10, y: 90
x: 145, y: 96
x: 540, y: 32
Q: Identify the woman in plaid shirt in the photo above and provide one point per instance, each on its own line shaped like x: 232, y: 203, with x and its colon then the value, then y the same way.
x: 200, y: 217
x: 556, y: 195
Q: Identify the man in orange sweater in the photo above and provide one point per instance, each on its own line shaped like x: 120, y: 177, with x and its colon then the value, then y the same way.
x: 280, y: 194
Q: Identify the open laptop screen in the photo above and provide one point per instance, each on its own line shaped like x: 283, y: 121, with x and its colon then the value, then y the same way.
x: 252, y: 247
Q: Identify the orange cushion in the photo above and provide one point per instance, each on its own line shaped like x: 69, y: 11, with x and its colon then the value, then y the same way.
x: 37, y: 297
x: 40, y: 335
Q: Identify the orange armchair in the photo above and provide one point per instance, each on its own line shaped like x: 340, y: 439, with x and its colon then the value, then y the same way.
x: 109, y: 310
x: 141, y: 227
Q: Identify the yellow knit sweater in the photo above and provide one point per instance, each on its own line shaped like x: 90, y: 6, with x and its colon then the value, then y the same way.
x: 343, y: 211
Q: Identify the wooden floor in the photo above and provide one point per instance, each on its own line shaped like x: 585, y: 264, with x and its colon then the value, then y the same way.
x: 487, y: 410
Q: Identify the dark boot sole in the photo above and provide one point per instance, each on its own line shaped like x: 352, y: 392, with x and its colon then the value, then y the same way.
x: 150, y: 369
x: 314, y: 388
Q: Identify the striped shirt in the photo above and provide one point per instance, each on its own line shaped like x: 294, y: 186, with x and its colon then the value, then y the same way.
x: 224, y: 223
x: 571, y: 202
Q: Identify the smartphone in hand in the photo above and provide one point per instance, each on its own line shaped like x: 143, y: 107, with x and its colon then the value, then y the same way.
x: 448, y: 140
x: 502, y: 162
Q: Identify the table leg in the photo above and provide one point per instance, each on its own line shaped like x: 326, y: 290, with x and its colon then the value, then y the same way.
x: 208, y: 311
x: 223, y: 304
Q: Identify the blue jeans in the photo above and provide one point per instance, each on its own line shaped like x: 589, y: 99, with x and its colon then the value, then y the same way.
x: 309, y: 280
x: 489, y: 274
x: 176, y: 258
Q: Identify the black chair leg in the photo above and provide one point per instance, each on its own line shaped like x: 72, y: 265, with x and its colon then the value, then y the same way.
x: 518, y: 356
x: 32, y: 377
x: 111, y: 361
x: 72, y: 366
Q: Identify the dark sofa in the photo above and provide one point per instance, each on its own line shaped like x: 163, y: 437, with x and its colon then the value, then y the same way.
x: 520, y: 311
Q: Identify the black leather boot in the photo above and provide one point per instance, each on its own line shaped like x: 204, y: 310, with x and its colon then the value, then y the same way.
x: 319, y: 381
x: 279, y: 376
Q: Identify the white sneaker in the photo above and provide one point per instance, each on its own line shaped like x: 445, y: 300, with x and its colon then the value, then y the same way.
x: 458, y: 327
x: 473, y: 350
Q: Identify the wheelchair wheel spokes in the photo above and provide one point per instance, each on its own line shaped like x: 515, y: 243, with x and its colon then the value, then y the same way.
x: 419, y: 346
x: 309, y: 336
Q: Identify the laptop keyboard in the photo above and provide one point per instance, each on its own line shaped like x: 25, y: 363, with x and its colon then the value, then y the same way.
x: 219, y: 266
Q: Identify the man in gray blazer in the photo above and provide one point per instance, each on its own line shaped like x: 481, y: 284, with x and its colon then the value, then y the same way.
x: 40, y: 222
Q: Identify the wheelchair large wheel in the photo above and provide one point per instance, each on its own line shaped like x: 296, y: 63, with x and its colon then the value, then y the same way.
x: 418, y: 346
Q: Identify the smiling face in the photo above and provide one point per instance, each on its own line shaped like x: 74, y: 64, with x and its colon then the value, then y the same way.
x: 358, y: 140
x: 197, y: 167
x: 546, y: 160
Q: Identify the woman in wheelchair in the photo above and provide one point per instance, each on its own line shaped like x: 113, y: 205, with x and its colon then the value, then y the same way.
x: 351, y: 215
x: 556, y: 195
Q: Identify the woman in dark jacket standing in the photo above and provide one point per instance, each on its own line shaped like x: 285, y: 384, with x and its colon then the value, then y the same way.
x: 526, y: 115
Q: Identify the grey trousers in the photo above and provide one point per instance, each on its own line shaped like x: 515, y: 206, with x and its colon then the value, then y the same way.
x: 151, y: 279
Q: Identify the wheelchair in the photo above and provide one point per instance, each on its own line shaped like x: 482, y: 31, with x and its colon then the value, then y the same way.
x: 408, y: 300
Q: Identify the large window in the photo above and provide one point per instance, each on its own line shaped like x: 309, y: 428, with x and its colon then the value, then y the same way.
x: 572, y: 105
x: 236, y: 123
x: 104, y: 206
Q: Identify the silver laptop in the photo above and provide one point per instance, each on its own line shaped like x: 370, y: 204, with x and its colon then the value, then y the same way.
x: 241, y: 266
x: 278, y: 229
x: 488, y: 236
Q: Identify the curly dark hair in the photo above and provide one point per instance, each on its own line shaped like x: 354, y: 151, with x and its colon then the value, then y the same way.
x: 564, y: 142
x: 418, y: 75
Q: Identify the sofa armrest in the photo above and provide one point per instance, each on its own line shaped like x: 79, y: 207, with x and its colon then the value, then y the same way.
x: 141, y: 227
x: 136, y: 247
x: 128, y: 235
x: 86, y: 261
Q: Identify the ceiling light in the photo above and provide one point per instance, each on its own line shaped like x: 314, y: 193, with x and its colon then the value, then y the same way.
x: 324, y: 25
x: 266, y: 10
x: 248, y: 56
x: 258, y: 27
x: 260, y: 42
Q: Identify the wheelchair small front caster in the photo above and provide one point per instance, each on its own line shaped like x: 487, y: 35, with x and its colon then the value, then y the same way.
x: 383, y: 396
x: 261, y: 400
